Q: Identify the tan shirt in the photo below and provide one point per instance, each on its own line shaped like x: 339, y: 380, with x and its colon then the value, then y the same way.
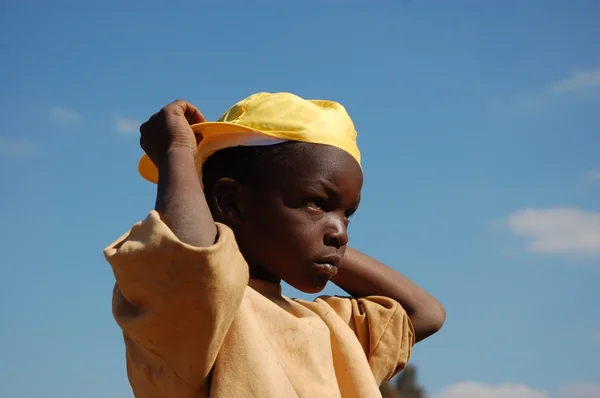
x: 195, y: 326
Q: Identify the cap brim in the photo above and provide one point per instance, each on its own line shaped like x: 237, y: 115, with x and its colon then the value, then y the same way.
x: 148, y: 170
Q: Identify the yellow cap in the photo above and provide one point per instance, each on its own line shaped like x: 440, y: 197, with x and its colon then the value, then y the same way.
x: 271, y: 116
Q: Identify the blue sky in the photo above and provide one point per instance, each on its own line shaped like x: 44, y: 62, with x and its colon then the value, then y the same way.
x: 479, y: 127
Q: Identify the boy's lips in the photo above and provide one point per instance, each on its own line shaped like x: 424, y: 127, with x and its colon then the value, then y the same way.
x: 327, y: 269
x: 328, y: 265
x: 333, y: 260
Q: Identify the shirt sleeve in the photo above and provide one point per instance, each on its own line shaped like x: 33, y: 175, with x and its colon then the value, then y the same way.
x: 383, y: 329
x: 174, y: 302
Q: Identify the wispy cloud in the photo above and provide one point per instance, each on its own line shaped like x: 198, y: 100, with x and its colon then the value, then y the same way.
x: 566, y: 230
x: 16, y: 148
x: 583, y: 390
x: 471, y: 389
x: 579, y: 79
x: 594, y: 175
x: 537, y: 100
x: 127, y: 126
x: 64, y: 115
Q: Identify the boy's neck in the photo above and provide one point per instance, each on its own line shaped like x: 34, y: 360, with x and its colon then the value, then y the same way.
x: 261, y: 274
x: 267, y: 289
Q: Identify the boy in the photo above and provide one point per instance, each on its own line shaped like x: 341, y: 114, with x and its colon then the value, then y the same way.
x: 198, y: 292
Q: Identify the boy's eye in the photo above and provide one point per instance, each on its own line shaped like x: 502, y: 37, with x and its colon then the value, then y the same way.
x: 316, y: 203
x: 350, y: 213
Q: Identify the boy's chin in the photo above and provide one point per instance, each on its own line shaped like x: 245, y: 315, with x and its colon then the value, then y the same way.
x: 309, y: 287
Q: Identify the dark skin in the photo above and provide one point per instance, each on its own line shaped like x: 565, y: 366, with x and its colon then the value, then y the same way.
x: 296, y: 217
x: 295, y: 228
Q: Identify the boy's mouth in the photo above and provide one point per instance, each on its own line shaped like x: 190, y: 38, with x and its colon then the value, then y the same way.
x: 328, y: 265
x: 326, y: 268
x: 333, y: 260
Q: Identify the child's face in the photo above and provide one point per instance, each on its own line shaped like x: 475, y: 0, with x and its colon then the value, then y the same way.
x: 294, y: 227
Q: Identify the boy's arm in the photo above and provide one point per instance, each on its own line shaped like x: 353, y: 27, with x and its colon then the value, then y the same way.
x: 168, y: 140
x: 361, y: 275
x: 180, y: 201
x: 180, y: 277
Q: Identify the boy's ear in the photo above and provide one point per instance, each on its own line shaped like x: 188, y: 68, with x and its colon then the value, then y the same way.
x: 227, y: 196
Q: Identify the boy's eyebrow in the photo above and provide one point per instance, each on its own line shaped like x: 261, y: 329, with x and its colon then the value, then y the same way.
x: 323, y: 183
x: 330, y: 187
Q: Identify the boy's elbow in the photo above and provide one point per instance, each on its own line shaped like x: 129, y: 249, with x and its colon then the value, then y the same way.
x: 438, y: 319
x: 428, y: 323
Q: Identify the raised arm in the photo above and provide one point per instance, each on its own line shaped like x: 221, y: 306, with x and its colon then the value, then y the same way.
x: 180, y: 276
x: 361, y: 275
x: 170, y: 143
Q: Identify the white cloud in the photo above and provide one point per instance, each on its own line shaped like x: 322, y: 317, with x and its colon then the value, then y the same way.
x: 127, y: 126
x: 594, y: 175
x: 580, y: 79
x: 583, y: 390
x: 16, y: 148
x: 471, y: 389
x: 64, y: 115
x: 538, y: 99
x: 558, y: 230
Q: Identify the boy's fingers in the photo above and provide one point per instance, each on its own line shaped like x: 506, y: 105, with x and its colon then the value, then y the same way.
x: 198, y: 138
x: 148, y: 123
x: 191, y: 113
x: 176, y: 108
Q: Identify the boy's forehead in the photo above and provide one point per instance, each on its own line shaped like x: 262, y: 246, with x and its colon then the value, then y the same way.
x: 319, y: 155
x: 322, y: 166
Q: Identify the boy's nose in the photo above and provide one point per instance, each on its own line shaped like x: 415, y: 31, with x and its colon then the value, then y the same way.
x: 337, y: 234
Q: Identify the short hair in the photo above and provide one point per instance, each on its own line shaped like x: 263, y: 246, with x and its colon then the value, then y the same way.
x: 248, y: 164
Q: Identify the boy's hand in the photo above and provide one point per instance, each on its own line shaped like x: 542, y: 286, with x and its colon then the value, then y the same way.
x: 170, y: 128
